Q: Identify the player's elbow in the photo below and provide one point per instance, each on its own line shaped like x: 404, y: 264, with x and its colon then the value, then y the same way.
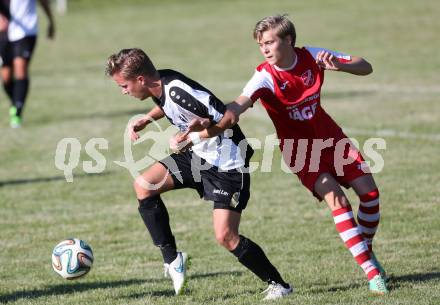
x: 368, y: 69
x: 365, y: 68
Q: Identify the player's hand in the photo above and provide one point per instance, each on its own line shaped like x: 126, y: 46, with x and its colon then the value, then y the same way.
x: 51, y: 31
x: 198, y: 125
x: 181, y: 141
x: 194, y: 125
x: 136, y: 126
x: 328, y: 61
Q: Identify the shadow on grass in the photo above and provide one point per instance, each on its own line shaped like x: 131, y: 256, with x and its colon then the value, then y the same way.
x: 336, y: 288
x: 70, y: 288
x: 215, y: 274
x: 168, y: 292
x: 393, y: 283
x: 47, y: 179
x: 396, y: 281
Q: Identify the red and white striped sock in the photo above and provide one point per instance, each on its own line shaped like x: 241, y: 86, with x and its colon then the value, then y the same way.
x: 352, y: 237
x: 368, y: 216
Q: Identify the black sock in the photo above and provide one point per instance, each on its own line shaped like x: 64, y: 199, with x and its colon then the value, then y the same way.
x: 253, y: 258
x: 156, y: 219
x: 8, y: 89
x: 20, y: 89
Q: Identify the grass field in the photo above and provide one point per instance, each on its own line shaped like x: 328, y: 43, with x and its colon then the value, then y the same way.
x: 211, y: 42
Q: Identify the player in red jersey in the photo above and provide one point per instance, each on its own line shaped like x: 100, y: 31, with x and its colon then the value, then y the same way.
x: 288, y: 84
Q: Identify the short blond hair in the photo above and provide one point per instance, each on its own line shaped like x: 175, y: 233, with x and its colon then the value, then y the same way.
x: 130, y: 63
x: 280, y: 23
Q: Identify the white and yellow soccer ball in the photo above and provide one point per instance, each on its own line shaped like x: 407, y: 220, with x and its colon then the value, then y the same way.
x: 72, y: 258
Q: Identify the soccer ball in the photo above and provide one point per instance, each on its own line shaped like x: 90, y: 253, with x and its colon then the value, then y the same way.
x: 72, y: 258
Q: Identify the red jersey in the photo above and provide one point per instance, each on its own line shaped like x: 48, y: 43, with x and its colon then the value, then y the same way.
x: 291, y: 97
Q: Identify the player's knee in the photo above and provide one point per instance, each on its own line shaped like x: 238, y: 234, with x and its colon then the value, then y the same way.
x: 370, y: 196
x: 142, y: 189
x: 337, y: 201
x: 227, y: 238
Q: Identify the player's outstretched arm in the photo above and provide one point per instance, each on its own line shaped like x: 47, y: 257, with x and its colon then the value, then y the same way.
x: 230, y: 118
x: 357, y: 65
x: 153, y: 115
x: 51, y: 26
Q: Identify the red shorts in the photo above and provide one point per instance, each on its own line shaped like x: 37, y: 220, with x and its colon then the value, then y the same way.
x: 342, y: 160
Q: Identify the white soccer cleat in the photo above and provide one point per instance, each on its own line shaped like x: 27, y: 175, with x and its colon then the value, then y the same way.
x: 177, y: 271
x: 276, y: 291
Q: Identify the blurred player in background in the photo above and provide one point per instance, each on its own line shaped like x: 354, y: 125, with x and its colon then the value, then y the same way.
x: 17, y: 50
x: 288, y: 84
x: 212, y: 167
x: 5, y: 49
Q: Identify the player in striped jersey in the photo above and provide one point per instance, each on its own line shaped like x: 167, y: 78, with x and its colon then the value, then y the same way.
x: 288, y: 84
x: 214, y: 167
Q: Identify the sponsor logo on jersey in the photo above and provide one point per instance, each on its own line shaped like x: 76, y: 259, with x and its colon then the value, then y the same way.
x: 307, y: 78
x: 306, y: 113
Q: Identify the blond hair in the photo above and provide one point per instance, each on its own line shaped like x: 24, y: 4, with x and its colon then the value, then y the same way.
x: 130, y: 63
x: 280, y: 23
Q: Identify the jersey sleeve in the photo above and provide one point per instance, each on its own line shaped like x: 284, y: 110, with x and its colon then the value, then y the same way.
x: 341, y: 56
x: 201, y: 103
x: 258, y: 85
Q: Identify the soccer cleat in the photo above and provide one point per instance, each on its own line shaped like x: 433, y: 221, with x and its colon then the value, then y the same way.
x: 15, y: 122
x: 177, y: 271
x: 276, y: 291
x: 379, y: 266
x: 14, y: 119
x: 12, y: 111
x: 377, y: 285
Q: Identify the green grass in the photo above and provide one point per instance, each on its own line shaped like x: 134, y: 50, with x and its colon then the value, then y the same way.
x: 211, y: 42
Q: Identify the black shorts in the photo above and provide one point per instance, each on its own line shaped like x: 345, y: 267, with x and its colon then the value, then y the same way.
x: 24, y: 47
x: 228, y: 189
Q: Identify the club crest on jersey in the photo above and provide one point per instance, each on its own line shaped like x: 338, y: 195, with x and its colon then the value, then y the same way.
x: 307, y: 78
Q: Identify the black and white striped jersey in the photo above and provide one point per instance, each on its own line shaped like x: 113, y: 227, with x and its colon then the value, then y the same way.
x: 183, y: 100
x: 23, y: 19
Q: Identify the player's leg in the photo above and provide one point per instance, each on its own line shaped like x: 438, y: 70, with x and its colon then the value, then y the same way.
x: 329, y: 189
x: 6, y: 68
x: 6, y: 75
x: 173, y: 172
x: 154, y: 181
x: 368, y: 216
x: 226, y: 222
x: 20, y: 83
x: 148, y: 187
x: 22, y: 51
